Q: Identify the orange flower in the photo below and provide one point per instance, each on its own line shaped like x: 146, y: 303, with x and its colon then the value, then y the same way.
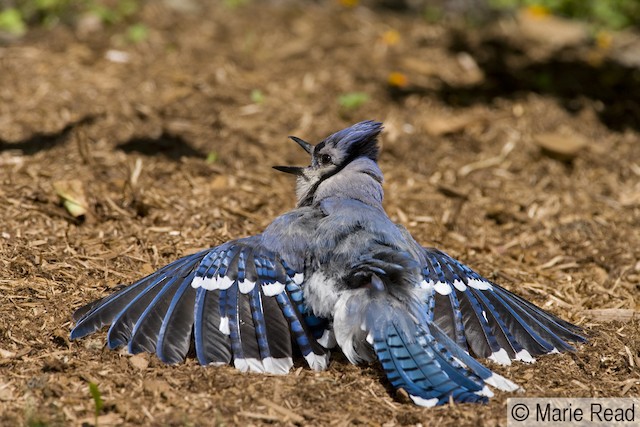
x: 397, y: 79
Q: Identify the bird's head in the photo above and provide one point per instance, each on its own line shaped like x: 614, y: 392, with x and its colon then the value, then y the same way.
x: 351, y: 151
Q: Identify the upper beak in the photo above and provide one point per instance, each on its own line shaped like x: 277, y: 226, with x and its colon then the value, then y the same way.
x: 302, y: 143
x: 294, y: 170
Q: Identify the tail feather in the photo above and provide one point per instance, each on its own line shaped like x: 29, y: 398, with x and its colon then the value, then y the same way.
x: 471, y: 363
x: 411, y: 364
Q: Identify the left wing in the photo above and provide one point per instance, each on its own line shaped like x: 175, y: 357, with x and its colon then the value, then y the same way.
x: 487, y: 319
x: 238, y: 303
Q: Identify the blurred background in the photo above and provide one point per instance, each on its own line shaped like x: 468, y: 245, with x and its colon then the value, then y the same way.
x: 135, y: 132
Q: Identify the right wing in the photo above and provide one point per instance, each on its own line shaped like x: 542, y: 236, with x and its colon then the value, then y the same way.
x: 238, y: 303
x: 487, y: 319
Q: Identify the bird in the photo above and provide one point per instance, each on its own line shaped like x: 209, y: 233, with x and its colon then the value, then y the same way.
x: 334, y: 274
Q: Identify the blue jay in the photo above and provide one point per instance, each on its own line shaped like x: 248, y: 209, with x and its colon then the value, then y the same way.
x: 334, y: 270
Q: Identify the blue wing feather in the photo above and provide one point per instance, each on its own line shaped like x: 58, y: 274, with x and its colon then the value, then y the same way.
x: 144, y: 336
x: 124, y: 322
x: 174, y: 337
x: 212, y: 346
x: 227, y: 322
x: 492, y: 319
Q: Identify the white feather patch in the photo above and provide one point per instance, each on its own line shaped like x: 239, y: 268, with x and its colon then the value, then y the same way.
x: 246, y: 286
x: 501, y: 357
x: 486, y: 391
x: 501, y: 383
x: 321, y: 293
x: 328, y: 339
x: 480, y: 285
x: 255, y: 365
x: 298, y: 278
x: 427, y: 403
x: 484, y: 314
x: 272, y: 289
x: 459, y: 361
x: 197, y: 282
x: 276, y: 365
x: 426, y: 285
x: 317, y: 362
x: 442, y: 288
x: 525, y: 356
x: 207, y: 283
x: 370, y: 338
x: 241, y: 365
x: 224, y: 325
x: 460, y: 285
x: 225, y: 282
x: 210, y: 283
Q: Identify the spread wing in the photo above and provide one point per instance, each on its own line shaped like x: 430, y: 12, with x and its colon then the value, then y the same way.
x: 238, y: 303
x: 487, y: 319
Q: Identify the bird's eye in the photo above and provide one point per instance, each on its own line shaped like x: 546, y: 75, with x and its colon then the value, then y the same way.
x: 326, y: 159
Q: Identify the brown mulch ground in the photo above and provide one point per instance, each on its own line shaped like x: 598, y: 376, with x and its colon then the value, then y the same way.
x: 464, y: 172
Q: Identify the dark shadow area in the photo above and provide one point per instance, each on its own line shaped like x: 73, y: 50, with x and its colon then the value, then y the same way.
x: 566, y: 75
x: 44, y: 141
x: 171, y: 146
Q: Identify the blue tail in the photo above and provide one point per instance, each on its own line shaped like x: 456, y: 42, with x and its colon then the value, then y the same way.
x: 428, y: 372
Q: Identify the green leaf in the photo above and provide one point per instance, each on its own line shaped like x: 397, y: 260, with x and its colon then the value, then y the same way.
x: 234, y: 4
x: 212, y: 157
x: 257, y: 97
x: 353, y: 100
x: 11, y: 21
x: 137, y: 33
x: 97, y: 399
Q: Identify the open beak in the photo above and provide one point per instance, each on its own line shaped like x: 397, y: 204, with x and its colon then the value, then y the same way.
x: 302, y: 143
x: 294, y: 170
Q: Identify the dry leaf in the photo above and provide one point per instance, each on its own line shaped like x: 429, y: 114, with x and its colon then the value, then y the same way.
x: 139, y: 361
x: 611, y: 314
x: 560, y: 146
